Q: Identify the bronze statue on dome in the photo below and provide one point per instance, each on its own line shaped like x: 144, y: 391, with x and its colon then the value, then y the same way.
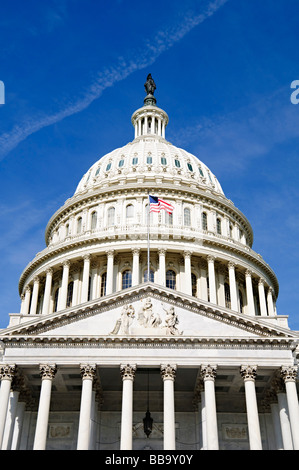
x: 150, y: 85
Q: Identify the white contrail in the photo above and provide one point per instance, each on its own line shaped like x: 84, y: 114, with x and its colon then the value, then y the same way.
x: 146, y: 56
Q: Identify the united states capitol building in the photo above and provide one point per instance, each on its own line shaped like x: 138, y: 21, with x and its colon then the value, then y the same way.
x: 148, y: 330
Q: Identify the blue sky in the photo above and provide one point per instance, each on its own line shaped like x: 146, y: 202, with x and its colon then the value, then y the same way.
x: 74, y: 72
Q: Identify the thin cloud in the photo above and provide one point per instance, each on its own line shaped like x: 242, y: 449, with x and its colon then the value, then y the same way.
x: 147, y: 55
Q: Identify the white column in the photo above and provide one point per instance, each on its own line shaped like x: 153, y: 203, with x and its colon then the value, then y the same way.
x: 162, y: 271
x: 47, y: 375
x: 135, y: 270
x: 212, y: 281
x: 109, y: 281
x: 47, y: 292
x: 87, y: 373
x: 27, y: 300
x: 6, y: 376
x: 262, y: 298
x: 203, y: 282
x: 208, y: 374
x: 85, y: 278
x: 34, y: 299
x: 187, y: 284
x: 64, y: 283
x: 18, y: 425
x: 249, y: 373
x: 270, y: 301
x: 233, y: 286
x: 249, y: 293
x: 168, y: 374
x: 289, y: 375
x: 284, y: 421
x: 10, y: 420
x: 126, y: 433
x: 276, y: 425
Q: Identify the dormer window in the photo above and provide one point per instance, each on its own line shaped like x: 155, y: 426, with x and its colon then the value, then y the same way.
x: 149, y: 160
x: 108, y: 166
x: 163, y: 161
x: 135, y: 161
x: 190, y: 167
x: 177, y: 163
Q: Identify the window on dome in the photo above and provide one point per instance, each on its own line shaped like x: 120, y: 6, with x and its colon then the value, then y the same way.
x: 227, y: 295
x: 204, y: 221
x: 187, y: 217
x: 103, y: 284
x: 56, y: 299
x: 93, y: 220
x: 151, y: 276
x: 241, y: 301
x: 98, y: 171
x: 135, y: 161
x: 79, y: 225
x: 127, y: 279
x: 121, y: 163
x: 163, y: 161
x: 111, y: 216
x: 170, y: 279
x: 200, y: 171
x: 190, y: 167
x: 218, y: 222
x: 108, y: 166
x: 194, y: 284
x: 149, y: 160
x: 169, y: 218
x: 69, y: 296
x: 177, y: 163
x: 130, y: 211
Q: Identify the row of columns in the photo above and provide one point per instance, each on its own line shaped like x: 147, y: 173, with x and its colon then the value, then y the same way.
x: 288, y: 430
x: 266, y: 302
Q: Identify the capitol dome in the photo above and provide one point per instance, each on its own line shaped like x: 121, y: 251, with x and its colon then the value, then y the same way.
x: 128, y: 294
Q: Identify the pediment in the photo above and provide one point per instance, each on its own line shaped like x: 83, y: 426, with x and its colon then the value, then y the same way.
x: 148, y: 310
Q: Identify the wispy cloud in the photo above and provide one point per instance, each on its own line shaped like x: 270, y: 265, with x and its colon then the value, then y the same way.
x: 151, y: 49
x: 232, y: 141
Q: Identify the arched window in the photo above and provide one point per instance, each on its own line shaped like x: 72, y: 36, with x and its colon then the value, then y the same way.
x: 98, y: 171
x: 177, y: 163
x: 241, y: 301
x: 127, y: 279
x: 187, y: 217
x: 149, y: 160
x: 204, y: 221
x: 93, y: 220
x: 151, y: 276
x: 130, y: 211
x: 108, y: 167
x: 56, y: 299
x: 227, y: 295
x: 111, y: 216
x: 121, y: 163
x: 69, y: 296
x: 194, y: 284
x: 103, y: 284
x: 190, y: 167
x: 79, y: 225
x: 67, y: 230
x: 163, y: 161
x: 170, y: 279
x: 169, y: 218
x: 218, y: 223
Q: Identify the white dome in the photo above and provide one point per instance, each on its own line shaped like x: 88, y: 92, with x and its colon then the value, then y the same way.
x: 148, y: 156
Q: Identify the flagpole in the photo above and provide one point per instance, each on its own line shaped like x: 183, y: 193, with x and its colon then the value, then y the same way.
x: 148, y: 238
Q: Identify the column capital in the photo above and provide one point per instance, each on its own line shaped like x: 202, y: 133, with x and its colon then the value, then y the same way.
x: 231, y: 265
x: 86, y: 256
x: 66, y: 263
x: 136, y: 251
x: 28, y: 289
x: 208, y: 372
x: 211, y: 258
x: 47, y: 371
x: 168, y: 371
x: 248, y: 372
x: 88, y: 371
x: 162, y: 251
x: 7, y: 371
x: 110, y: 253
x: 36, y: 280
x: 248, y: 273
x: 49, y: 271
x: 261, y: 282
x: 289, y: 373
x: 187, y: 254
x: 128, y: 371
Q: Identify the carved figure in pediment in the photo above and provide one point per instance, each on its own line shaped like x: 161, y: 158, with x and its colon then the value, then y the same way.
x: 147, y: 317
x: 125, y: 321
x: 171, y: 321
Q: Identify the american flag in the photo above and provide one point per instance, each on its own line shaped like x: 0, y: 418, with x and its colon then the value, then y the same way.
x: 157, y: 204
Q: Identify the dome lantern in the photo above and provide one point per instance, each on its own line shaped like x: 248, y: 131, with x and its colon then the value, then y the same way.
x: 150, y: 120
